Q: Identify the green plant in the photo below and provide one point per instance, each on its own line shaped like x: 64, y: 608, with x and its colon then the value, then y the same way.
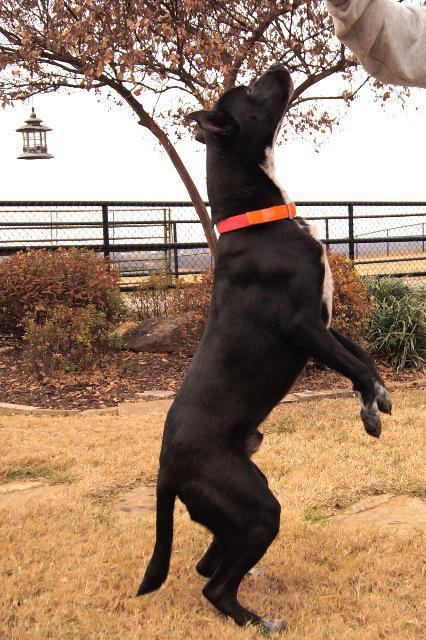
x: 384, y: 288
x: 352, y: 303
x: 398, y: 327
x: 66, y: 339
x: 34, y: 470
x: 42, y: 279
x: 313, y: 515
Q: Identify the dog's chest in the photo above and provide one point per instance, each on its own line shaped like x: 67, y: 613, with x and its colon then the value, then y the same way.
x: 327, y: 287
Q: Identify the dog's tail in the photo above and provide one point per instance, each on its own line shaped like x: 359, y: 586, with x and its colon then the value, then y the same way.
x: 158, y: 566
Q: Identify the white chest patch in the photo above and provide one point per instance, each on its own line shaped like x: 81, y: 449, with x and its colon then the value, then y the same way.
x: 327, y: 289
x: 327, y: 286
x: 269, y: 168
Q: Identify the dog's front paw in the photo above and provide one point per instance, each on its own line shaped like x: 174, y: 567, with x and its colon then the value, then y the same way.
x: 383, y: 398
x: 271, y: 628
x: 371, y: 418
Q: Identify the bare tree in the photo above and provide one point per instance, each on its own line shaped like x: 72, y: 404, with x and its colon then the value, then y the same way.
x: 161, y: 57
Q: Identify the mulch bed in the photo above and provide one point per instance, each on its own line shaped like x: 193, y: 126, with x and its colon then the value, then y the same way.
x: 123, y: 375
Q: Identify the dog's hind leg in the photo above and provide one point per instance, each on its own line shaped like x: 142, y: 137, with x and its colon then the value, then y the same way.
x: 243, y: 514
x: 208, y: 564
x: 239, y: 555
x: 210, y: 560
x: 383, y: 398
x: 314, y: 339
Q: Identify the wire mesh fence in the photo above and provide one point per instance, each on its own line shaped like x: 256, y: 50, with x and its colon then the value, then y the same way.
x: 143, y: 238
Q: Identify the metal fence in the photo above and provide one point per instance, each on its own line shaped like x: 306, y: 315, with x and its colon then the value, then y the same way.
x: 141, y: 238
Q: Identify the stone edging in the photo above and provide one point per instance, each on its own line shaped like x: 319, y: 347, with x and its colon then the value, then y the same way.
x: 159, y: 402
x: 7, y: 409
x: 307, y: 396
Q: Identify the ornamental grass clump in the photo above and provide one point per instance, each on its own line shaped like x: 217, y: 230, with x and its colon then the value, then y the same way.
x: 397, y: 330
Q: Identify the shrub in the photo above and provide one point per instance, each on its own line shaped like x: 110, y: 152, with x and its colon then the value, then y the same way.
x: 194, y: 300
x: 398, y: 326
x: 41, y: 279
x: 352, y: 303
x: 66, y: 339
x: 155, y: 297
x: 161, y: 295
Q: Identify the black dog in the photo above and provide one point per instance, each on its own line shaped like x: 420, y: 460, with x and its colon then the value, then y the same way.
x: 270, y: 312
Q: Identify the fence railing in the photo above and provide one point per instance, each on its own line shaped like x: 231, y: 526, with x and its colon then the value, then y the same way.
x: 140, y: 238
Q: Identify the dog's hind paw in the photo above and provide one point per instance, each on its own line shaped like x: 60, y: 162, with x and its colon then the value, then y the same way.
x: 272, y: 627
x: 370, y: 416
x: 383, y: 398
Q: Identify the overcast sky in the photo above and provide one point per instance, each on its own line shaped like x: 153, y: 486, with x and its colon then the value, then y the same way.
x: 101, y: 153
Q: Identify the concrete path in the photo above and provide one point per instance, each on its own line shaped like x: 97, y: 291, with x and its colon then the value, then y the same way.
x: 399, y: 512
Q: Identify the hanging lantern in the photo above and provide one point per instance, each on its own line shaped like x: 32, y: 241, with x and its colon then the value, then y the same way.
x: 34, y: 139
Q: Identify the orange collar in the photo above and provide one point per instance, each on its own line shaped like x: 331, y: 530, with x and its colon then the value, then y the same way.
x: 257, y: 217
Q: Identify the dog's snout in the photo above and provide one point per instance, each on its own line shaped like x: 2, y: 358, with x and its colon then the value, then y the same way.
x: 277, y: 66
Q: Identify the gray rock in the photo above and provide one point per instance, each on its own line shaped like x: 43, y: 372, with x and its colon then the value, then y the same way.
x: 158, y: 335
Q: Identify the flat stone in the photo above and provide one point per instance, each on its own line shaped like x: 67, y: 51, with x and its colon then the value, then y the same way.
x: 104, y: 411
x: 155, y: 395
x: 33, y: 492
x: 309, y: 396
x: 136, y: 502
x: 8, y: 409
x: 398, y: 512
x: 11, y: 487
x: 143, y: 408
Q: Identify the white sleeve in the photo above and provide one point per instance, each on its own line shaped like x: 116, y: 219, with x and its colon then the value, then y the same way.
x: 388, y: 39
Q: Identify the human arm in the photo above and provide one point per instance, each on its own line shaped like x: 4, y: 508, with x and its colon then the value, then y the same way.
x: 388, y: 39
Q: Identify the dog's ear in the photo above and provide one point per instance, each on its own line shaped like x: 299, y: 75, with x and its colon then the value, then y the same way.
x: 212, y: 122
x: 199, y: 135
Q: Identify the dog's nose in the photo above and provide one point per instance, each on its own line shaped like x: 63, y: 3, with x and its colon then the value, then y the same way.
x: 277, y: 66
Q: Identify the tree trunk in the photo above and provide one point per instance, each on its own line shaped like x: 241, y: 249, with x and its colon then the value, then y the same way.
x: 146, y: 121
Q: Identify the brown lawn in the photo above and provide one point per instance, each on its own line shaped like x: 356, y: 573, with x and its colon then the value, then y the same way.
x: 69, y: 566
x: 417, y: 263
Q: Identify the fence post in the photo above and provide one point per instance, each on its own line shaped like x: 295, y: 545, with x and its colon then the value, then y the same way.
x: 351, y: 231
x: 327, y: 233
x: 105, y: 229
x: 175, y: 250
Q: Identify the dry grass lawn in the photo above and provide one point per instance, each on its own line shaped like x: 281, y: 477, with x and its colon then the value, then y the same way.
x: 410, y: 266
x: 69, y: 566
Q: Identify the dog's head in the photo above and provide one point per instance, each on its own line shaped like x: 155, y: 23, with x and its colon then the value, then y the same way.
x: 247, y: 118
